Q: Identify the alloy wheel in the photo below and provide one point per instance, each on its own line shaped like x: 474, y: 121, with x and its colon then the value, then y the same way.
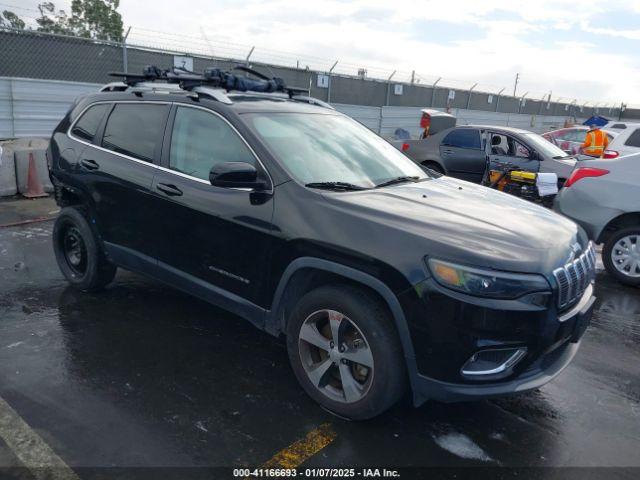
x: 336, y: 356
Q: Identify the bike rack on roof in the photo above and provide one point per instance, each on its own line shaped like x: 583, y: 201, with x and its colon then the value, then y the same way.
x: 213, y: 83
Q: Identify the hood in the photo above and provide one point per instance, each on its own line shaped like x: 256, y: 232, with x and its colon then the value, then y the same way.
x: 467, y: 223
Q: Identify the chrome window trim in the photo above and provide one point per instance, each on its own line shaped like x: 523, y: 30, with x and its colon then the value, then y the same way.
x: 160, y: 167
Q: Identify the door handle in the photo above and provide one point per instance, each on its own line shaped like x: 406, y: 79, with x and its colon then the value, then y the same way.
x: 448, y: 152
x: 89, y: 164
x: 170, y: 190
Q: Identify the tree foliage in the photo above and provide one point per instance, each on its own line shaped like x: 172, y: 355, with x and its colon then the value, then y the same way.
x: 97, y: 19
x: 10, y: 19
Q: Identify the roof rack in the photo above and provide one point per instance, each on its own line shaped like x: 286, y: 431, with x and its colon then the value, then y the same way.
x: 213, y: 82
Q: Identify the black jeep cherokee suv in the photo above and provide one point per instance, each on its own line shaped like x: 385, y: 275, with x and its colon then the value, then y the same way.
x: 309, y: 225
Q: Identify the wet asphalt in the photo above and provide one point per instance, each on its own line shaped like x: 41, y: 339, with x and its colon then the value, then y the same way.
x: 142, y: 375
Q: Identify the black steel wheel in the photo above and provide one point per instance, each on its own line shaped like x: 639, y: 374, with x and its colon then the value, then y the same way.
x: 77, y: 251
x: 74, y: 249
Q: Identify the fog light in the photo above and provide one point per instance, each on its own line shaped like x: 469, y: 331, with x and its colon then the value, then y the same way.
x: 493, y: 362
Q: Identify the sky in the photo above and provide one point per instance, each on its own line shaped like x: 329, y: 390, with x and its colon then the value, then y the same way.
x: 588, y: 50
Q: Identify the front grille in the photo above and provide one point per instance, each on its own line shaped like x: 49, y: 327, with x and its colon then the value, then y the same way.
x: 574, y: 278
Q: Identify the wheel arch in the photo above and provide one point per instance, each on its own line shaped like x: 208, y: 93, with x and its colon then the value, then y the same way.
x: 430, y: 161
x: 625, y: 220
x: 306, y: 273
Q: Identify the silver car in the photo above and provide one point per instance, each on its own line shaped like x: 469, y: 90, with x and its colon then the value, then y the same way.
x: 603, y: 196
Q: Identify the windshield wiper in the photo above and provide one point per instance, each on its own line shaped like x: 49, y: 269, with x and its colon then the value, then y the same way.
x: 335, y: 186
x: 393, y: 181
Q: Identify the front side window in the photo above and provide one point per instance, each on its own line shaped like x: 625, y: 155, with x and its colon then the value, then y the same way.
x: 201, y: 140
x: 135, y: 129
x: 87, y: 126
x: 331, y: 148
x: 505, y: 145
x: 634, y: 139
x: 546, y: 149
x: 463, y: 138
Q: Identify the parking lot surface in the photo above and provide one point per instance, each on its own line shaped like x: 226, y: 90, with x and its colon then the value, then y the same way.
x: 142, y: 375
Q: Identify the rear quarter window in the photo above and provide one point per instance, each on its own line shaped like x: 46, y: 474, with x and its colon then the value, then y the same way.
x: 87, y: 125
x: 634, y: 139
x: 463, y: 138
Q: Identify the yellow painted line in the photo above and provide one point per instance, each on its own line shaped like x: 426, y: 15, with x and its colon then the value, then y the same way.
x: 30, y: 448
x: 298, y: 452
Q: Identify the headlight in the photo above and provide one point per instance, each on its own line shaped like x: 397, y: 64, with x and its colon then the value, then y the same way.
x: 486, y: 283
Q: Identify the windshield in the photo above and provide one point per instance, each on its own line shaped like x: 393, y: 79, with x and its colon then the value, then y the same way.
x: 544, y: 146
x: 317, y: 148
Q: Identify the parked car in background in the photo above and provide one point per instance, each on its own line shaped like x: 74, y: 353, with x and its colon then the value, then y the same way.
x: 462, y: 151
x: 603, y: 196
x: 570, y: 139
x: 627, y: 140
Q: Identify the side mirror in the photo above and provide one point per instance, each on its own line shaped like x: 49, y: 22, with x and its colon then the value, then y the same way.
x: 534, y: 155
x: 235, y: 175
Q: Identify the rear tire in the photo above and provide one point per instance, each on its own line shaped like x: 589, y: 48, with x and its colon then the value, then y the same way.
x: 330, y: 331
x: 620, y: 246
x: 78, y: 253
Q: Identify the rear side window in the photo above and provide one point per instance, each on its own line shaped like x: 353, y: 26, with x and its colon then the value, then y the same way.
x: 87, y: 126
x: 634, y: 139
x: 201, y: 140
x: 463, y: 138
x: 135, y: 129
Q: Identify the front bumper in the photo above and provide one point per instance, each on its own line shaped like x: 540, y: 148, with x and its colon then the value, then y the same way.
x: 428, y: 388
x: 451, y: 331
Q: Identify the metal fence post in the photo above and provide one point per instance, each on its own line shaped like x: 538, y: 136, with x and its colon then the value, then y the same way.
x: 520, y: 102
x: 125, y: 60
x: 246, y: 62
x: 329, y: 81
x: 389, y: 86
x: 433, y: 91
x: 12, y: 125
x: 498, y: 100
x: 469, y: 95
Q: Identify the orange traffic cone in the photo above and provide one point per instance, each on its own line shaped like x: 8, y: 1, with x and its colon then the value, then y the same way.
x: 35, y: 188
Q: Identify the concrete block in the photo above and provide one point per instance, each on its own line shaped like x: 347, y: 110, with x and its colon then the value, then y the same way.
x: 22, y: 169
x: 7, y: 170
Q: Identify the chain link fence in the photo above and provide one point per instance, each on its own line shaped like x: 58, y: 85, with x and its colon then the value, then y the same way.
x: 37, y: 55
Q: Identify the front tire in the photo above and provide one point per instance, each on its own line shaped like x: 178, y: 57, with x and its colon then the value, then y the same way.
x: 78, y: 253
x: 621, y: 256
x: 345, y: 352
